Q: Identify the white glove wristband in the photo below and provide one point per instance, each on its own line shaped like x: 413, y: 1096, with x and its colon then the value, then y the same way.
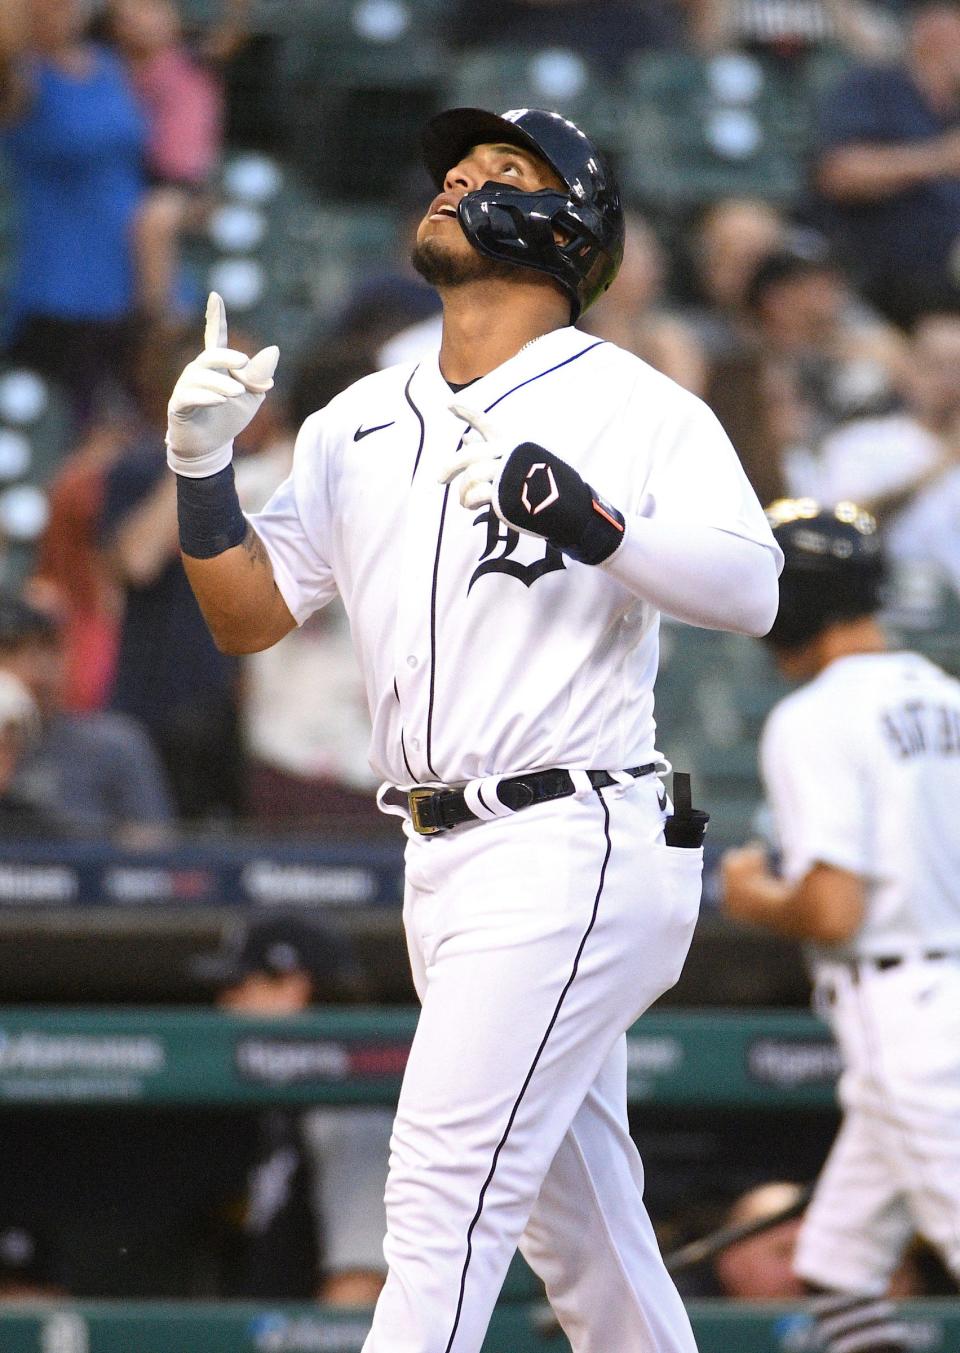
x: 200, y: 467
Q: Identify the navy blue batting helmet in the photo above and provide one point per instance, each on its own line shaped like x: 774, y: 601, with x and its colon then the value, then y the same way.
x: 575, y: 236
x: 833, y: 567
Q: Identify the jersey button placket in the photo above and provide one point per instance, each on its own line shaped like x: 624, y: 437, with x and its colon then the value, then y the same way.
x: 412, y: 651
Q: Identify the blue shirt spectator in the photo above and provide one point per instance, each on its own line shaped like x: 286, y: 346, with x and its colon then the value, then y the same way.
x: 76, y: 157
x: 88, y: 773
x: 170, y: 675
x: 889, y: 170
x: 99, y: 771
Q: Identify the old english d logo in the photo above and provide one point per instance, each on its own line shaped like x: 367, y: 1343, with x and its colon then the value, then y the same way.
x: 508, y: 540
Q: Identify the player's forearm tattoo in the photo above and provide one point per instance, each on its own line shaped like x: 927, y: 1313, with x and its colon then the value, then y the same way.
x: 254, y: 548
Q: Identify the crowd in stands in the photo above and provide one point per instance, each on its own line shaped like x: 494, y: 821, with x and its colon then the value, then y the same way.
x: 822, y: 325
x: 823, y: 330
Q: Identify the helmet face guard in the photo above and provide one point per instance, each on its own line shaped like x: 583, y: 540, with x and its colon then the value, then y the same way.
x: 574, y: 236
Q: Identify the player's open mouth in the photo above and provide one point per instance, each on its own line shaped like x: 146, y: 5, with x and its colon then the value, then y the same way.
x: 442, y: 209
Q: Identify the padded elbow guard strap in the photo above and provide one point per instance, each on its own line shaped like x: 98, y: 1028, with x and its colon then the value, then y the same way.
x: 539, y: 493
x: 208, y: 514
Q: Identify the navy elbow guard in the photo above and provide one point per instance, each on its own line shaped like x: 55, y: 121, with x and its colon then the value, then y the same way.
x: 540, y: 493
x: 208, y: 514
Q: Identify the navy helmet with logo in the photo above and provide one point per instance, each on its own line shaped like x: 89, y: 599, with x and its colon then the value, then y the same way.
x: 833, y: 569
x: 574, y: 235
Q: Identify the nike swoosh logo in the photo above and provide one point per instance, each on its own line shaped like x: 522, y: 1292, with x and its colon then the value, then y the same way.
x: 362, y: 432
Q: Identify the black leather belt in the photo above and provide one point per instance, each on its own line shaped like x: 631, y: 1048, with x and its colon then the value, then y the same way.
x: 884, y: 961
x: 437, y: 810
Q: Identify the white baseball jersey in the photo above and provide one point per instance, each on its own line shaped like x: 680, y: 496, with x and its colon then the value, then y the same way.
x: 862, y: 769
x: 486, y: 652
x: 537, y: 938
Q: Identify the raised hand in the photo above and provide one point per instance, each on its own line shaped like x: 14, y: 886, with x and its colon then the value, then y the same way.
x: 215, y: 398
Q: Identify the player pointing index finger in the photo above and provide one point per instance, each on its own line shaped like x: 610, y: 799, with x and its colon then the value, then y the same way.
x: 215, y: 329
x: 504, y: 523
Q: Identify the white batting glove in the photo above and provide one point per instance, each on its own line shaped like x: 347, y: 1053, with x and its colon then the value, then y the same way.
x: 533, y: 491
x: 485, y: 448
x: 215, y: 398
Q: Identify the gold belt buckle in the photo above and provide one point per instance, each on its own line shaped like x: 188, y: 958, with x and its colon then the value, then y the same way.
x: 414, y: 798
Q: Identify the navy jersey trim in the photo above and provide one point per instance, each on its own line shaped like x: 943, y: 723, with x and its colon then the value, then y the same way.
x: 530, y: 379
x: 406, y: 762
x: 533, y: 1066
x: 436, y: 563
x: 423, y: 428
x: 403, y: 745
x: 433, y: 630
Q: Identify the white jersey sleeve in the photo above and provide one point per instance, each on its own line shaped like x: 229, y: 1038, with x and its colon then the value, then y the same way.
x: 295, y: 526
x: 695, y: 476
x: 697, y: 544
x: 817, y: 791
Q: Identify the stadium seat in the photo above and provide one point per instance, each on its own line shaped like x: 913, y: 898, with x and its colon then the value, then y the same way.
x: 713, y: 693
x: 34, y: 439
x: 503, y: 78
x: 695, y: 130
x: 923, y: 614
x: 283, y: 261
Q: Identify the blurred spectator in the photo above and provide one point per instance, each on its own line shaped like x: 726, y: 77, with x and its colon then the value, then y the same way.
x: 847, y: 362
x: 761, y: 1266
x: 89, y: 772
x: 905, y: 467
x: 30, y: 1269
x: 19, y: 731
x: 862, y: 29
x: 306, y: 723
x: 756, y: 1268
x: 393, y: 316
x: 605, y: 32
x: 71, y: 576
x: 74, y: 141
x: 413, y: 342
x: 728, y: 244
x: 632, y: 313
x: 758, y: 399
x: 889, y: 168
x: 335, y: 1159
x: 180, y: 91
x: 169, y: 674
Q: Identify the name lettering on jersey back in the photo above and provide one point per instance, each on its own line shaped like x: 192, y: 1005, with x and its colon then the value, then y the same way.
x: 917, y: 728
x: 507, y: 540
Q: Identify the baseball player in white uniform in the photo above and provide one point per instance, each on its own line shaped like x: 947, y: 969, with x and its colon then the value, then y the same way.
x: 505, y: 616
x: 862, y: 770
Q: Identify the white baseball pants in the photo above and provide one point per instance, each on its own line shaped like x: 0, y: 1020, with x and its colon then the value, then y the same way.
x: 894, y: 1168
x: 535, y: 941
